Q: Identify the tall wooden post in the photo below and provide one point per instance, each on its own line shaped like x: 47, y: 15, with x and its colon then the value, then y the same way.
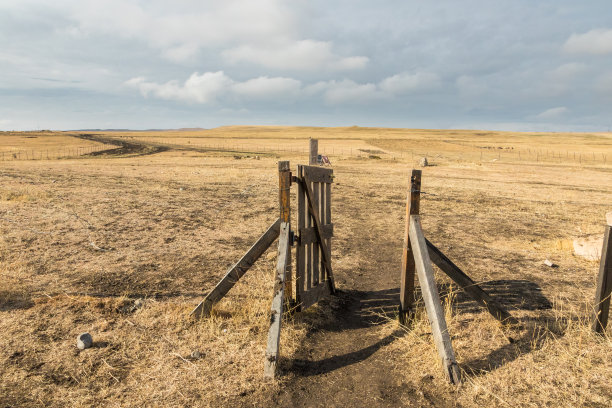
x: 408, y: 266
x: 604, y: 285
x: 314, y: 152
x: 284, y: 190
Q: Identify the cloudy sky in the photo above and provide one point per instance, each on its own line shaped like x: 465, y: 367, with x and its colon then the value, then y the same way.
x: 510, y: 65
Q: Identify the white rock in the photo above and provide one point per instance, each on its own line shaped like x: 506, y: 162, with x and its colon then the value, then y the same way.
x: 550, y: 263
x: 423, y: 162
x: 84, y: 341
x: 589, y: 247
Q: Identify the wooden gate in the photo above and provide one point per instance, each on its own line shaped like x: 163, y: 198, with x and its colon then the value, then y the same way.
x: 314, y: 277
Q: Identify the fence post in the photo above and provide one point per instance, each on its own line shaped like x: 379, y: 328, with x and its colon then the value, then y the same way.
x: 604, y: 285
x: 284, y: 186
x: 408, y: 266
x: 314, y: 152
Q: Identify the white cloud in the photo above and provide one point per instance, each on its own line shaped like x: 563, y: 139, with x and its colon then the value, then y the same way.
x: 267, y: 88
x: 596, y: 42
x: 304, y: 55
x: 211, y: 87
x: 345, y: 91
x: 553, y: 113
x: 406, y: 82
x: 204, y: 88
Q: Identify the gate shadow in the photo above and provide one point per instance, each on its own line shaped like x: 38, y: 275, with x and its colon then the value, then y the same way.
x: 358, y: 310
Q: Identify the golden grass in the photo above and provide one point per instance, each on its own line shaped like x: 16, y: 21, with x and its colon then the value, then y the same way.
x: 81, y: 239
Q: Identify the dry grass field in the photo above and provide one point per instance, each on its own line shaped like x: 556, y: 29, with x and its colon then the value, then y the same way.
x: 159, y: 216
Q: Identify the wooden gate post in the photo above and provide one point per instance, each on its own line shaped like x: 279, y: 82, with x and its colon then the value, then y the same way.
x: 314, y: 152
x: 284, y: 191
x: 604, y: 285
x: 408, y: 266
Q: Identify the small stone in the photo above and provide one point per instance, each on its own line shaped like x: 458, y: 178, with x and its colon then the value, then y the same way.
x: 196, y: 355
x: 84, y: 341
x: 138, y: 303
x: 423, y: 162
x: 550, y: 263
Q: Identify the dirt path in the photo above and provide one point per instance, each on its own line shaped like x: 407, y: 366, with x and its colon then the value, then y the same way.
x: 122, y: 148
x: 348, y: 361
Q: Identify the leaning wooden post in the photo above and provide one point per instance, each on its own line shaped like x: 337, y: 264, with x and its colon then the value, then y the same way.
x: 604, y: 285
x: 435, y: 313
x: 284, y: 192
x: 408, y: 268
x: 314, y: 152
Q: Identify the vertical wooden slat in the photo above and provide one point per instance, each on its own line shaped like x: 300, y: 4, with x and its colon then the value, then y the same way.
x: 300, y: 251
x: 284, y: 188
x: 435, y: 313
x: 276, y: 311
x: 309, y: 247
x: 314, y: 152
x: 327, y: 187
x: 408, y: 268
x: 316, y: 262
x: 604, y: 285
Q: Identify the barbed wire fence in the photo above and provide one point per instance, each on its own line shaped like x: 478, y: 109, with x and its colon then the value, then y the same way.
x: 477, y: 154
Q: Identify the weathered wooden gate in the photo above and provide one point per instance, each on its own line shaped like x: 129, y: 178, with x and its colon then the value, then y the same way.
x: 314, y: 277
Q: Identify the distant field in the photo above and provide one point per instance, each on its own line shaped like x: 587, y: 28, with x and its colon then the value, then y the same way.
x: 161, y: 215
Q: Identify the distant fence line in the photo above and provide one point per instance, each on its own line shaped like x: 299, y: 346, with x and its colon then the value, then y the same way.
x: 48, y: 154
x: 479, y: 154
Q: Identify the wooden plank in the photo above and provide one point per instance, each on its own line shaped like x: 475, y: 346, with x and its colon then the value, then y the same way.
x: 468, y: 285
x: 284, y: 198
x: 308, y: 235
x: 429, y: 290
x: 316, y: 262
x: 604, y: 285
x: 237, y: 271
x: 300, y: 252
x: 314, y: 152
x: 319, y: 174
x: 328, y: 240
x: 319, y: 232
x: 408, y: 269
x: 309, y: 247
x: 276, y: 311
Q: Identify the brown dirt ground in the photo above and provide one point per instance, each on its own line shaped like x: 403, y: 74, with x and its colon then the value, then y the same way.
x: 81, y: 239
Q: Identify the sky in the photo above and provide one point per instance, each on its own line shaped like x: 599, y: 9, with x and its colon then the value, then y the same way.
x: 150, y: 64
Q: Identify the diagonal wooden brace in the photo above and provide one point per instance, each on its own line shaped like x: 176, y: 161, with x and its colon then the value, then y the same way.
x: 237, y: 271
x: 468, y: 285
x: 319, y: 233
